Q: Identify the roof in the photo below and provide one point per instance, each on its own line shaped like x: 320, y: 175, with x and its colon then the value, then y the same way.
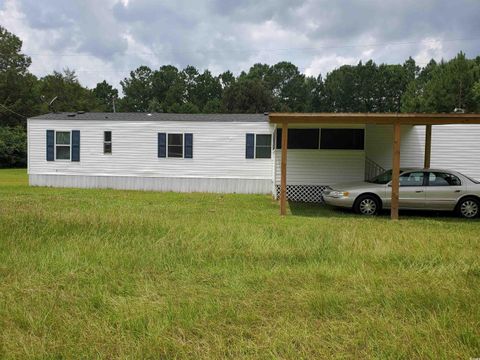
x: 139, y: 116
x: 375, y: 118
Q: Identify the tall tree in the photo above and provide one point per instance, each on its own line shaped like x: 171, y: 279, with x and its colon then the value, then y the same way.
x: 318, y: 98
x: 137, y: 90
x: 288, y: 87
x: 168, y: 87
x: 11, y: 58
x: 226, y: 79
x: 340, y: 87
x: 106, y: 95
x: 412, y: 99
x: 18, y: 93
x: 69, y: 93
x: 208, y: 88
x: 247, y: 96
x: 444, y: 87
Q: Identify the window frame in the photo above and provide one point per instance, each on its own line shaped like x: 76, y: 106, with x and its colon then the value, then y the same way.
x: 167, y: 145
x: 63, y: 145
x: 108, y: 142
x: 263, y: 146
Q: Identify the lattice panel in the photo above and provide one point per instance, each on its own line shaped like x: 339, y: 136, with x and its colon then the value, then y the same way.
x: 303, y: 193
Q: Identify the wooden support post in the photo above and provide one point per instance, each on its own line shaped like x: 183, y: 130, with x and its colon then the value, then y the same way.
x: 428, y: 146
x: 395, y: 172
x: 283, y: 177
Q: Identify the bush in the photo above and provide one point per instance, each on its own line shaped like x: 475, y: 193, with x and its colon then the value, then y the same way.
x: 13, y: 147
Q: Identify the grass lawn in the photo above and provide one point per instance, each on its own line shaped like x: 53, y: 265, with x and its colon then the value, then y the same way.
x: 124, y: 274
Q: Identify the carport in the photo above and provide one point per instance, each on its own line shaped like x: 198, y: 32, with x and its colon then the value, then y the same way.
x: 396, y: 120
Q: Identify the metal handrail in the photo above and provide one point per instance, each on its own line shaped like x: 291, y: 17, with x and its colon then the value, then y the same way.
x: 372, y: 169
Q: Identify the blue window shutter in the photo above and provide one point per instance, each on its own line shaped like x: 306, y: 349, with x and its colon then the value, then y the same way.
x: 188, y: 146
x: 250, y: 148
x: 50, y: 145
x: 162, y: 145
x: 75, y: 145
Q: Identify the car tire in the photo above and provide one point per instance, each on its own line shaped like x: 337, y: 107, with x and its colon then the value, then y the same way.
x: 367, y: 205
x: 468, y: 208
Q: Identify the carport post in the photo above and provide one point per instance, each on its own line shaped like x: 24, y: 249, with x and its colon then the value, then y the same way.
x: 428, y: 146
x: 395, y: 171
x: 283, y: 175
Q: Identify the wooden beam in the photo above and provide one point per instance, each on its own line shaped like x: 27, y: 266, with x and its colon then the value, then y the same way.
x: 428, y: 146
x: 283, y: 175
x: 374, y: 118
x: 395, y: 172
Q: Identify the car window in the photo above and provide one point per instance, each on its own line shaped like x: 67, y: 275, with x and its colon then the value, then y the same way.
x: 443, y: 179
x: 412, y: 179
x: 383, y: 178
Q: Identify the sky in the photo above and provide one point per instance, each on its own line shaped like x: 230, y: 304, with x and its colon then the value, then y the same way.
x: 106, y: 39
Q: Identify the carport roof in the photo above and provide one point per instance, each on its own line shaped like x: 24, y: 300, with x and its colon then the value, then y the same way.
x: 376, y: 118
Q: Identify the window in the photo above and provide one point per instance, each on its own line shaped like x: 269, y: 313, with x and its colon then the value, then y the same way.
x: 299, y: 138
x: 383, y: 178
x: 342, y: 139
x: 258, y: 146
x: 107, y: 142
x: 443, y: 179
x: 175, y: 145
x: 62, y: 145
x: 412, y: 179
x: 263, y: 146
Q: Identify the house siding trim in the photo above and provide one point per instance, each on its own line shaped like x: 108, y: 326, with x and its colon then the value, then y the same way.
x: 176, y: 184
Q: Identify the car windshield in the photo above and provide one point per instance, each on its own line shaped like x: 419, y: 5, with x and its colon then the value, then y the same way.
x: 383, y: 178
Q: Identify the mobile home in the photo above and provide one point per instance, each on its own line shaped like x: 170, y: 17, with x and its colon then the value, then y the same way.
x: 226, y: 153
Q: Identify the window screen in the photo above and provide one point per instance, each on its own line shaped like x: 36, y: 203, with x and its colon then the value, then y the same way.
x: 62, y: 145
x: 175, y: 145
x: 107, y: 142
x: 342, y: 139
x: 299, y: 138
x: 263, y: 146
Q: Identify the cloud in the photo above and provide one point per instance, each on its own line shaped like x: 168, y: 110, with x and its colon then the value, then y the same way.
x: 106, y: 39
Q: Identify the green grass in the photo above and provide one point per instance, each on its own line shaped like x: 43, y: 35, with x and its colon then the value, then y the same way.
x: 124, y: 274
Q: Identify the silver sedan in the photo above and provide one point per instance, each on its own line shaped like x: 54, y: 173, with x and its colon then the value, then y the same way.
x: 420, y: 189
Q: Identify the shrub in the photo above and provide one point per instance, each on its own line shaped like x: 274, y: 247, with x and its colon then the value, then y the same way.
x: 13, y: 147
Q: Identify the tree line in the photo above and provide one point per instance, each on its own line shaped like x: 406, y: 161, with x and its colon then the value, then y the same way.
x: 364, y: 87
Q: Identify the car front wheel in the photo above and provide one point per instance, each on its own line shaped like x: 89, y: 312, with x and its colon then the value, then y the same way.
x: 367, y: 205
x: 468, y: 208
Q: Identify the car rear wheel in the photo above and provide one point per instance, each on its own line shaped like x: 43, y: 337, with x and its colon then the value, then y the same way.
x: 468, y: 208
x: 367, y: 205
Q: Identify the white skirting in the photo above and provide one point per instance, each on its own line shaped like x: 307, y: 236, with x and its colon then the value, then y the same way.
x: 212, y: 185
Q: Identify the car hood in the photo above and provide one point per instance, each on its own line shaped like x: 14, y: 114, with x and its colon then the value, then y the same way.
x: 355, y: 185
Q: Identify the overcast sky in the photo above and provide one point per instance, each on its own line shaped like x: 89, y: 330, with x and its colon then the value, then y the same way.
x: 105, y: 39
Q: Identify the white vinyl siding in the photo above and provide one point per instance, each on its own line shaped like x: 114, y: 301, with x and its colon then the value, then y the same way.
x: 378, y: 145
x: 322, y: 166
x: 455, y: 147
x: 219, y: 149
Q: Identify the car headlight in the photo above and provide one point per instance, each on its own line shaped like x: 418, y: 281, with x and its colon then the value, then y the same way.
x: 338, y: 194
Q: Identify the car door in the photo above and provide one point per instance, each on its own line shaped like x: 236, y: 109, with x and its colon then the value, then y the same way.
x: 442, y: 191
x: 412, y: 190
